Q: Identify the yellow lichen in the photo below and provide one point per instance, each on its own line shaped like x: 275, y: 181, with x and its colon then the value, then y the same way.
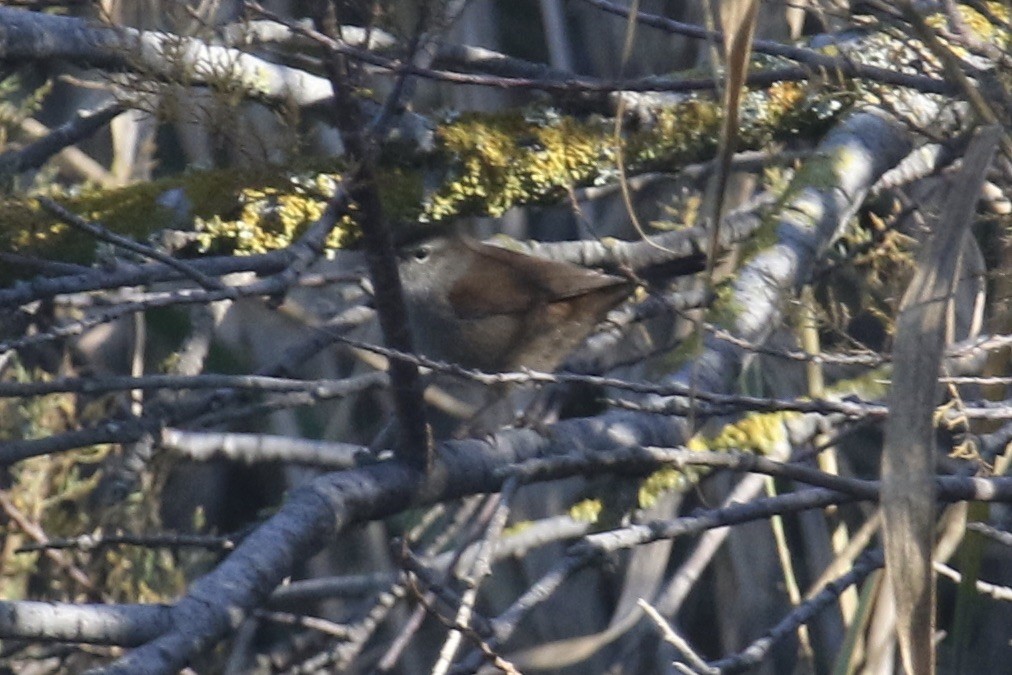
x: 587, y: 510
x: 755, y: 432
x: 681, y: 133
x: 269, y: 218
x: 980, y: 27
x: 246, y: 211
x: 662, y: 481
x: 494, y: 162
x: 499, y: 161
x: 516, y: 528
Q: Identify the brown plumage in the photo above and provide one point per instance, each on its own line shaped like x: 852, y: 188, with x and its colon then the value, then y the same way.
x: 486, y: 307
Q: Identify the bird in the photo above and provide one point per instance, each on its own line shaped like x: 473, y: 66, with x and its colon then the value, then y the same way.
x: 485, y: 307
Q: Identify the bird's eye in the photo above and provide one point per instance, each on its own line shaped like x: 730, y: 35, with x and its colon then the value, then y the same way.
x: 422, y: 253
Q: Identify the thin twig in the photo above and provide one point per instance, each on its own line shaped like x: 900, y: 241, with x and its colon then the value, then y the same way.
x: 103, y: 234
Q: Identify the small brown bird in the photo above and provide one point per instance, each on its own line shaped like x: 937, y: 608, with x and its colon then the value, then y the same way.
x: 485, y: 307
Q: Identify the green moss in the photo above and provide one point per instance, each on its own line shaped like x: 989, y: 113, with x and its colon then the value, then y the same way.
x: 493, y: 162
x: 234, y: 211
x: 132, y: 211
x: 15, y: 107
x: 726, y: 307
x: 673, y: 360
x: 764, y: 236
x: 57, y: 493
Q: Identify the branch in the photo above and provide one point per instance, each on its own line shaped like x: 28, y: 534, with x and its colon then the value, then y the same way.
x: 24, y: 292
x: 31, y: 36
x: 79, y: 127
x: 103, y: 234
x: 816, y: 61
x: 757, y: 652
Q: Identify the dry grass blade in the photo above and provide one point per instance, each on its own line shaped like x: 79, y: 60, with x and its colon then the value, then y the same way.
x: 908, y: 489
x: 738, y: 21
